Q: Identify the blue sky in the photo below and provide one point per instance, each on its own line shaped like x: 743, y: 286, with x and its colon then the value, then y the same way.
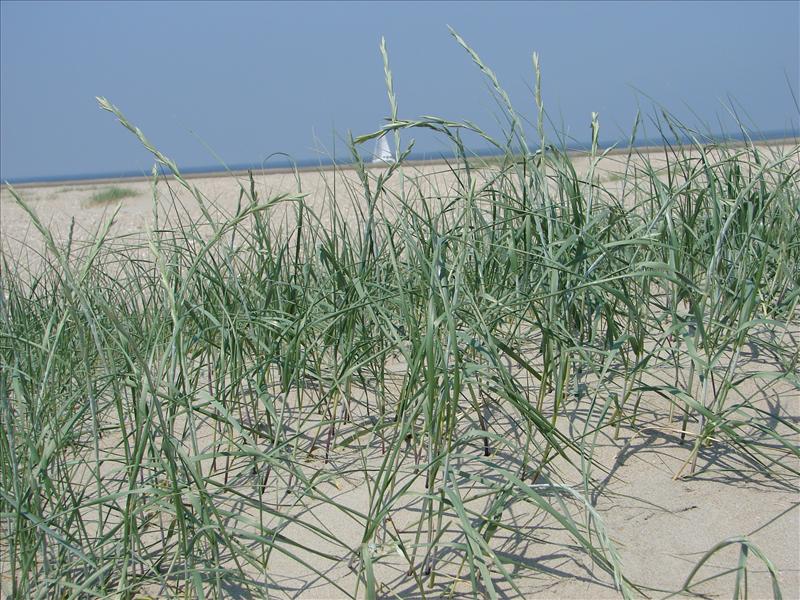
x: 250, y: 79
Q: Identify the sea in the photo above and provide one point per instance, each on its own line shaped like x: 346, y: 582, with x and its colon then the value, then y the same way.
x: 284, y: 162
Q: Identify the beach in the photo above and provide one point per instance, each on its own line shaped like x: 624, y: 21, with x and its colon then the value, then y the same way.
x: 660, y: 518
x: 63, y: 202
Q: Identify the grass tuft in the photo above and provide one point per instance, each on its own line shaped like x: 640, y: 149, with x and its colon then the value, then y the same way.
x: 112, y: 194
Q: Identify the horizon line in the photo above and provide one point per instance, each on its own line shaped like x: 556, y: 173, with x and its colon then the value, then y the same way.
x: 290, y: 165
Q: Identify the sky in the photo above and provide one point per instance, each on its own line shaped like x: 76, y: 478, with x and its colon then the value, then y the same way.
x: 235, y: 82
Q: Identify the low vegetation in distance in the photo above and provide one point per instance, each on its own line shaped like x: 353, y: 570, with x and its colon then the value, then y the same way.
x: 112, y: 194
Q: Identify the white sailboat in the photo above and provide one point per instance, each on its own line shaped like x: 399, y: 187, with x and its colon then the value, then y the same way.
x: 383, y: 154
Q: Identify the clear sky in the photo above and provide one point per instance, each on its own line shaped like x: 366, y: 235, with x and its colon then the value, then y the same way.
x: 250, y: 79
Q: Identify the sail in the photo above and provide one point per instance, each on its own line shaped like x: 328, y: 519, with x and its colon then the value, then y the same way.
x: 383, y: 153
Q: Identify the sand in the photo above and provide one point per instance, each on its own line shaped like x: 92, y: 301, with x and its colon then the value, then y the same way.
x: 59, y: 205
x: 661, y: 526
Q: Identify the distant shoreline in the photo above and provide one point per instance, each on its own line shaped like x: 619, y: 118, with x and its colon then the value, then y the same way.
x: 239, y: 172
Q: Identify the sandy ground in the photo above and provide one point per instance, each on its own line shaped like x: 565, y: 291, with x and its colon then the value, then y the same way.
x: 661, y: 526
x: 59, y: 205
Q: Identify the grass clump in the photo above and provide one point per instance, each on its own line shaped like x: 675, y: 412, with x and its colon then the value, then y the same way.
x: 112, y: 194
x: 387, y: 402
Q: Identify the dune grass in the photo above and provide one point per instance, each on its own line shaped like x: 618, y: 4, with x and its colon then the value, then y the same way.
x: 177, y: 408
x: 111, y: 194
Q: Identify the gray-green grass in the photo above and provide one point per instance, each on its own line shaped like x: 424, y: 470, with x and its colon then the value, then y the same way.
x: 111, y: 194
x: 175, y: 407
